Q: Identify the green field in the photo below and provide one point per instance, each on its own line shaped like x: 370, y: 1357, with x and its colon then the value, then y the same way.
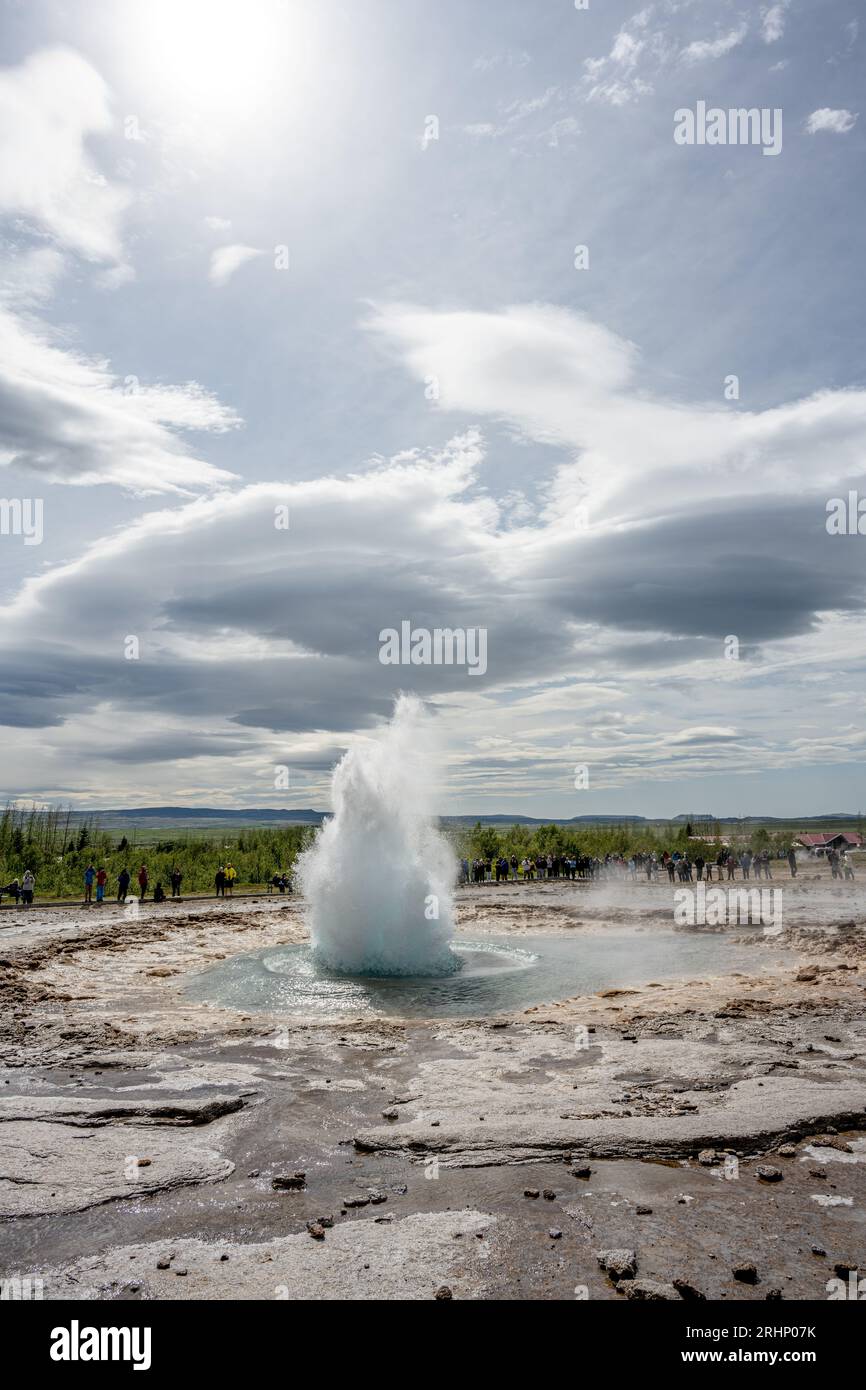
x: 58, y: 850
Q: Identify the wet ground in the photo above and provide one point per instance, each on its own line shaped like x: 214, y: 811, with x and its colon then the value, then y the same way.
x: 139, y: 1128
x: 493, y: 974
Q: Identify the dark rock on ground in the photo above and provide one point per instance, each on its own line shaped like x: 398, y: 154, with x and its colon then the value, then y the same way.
x: 289, y: 1182
x: 688, y: 1291
x: 652, y: 1290
x: 767, y: 1173
x: 618, y: 1264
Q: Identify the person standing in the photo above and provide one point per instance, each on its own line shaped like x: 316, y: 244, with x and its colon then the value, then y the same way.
x: 142, y: 882
x: 101, y: 880
x: 231, y: 875
x: 28, y: 887
x: 14, y: 888
x: 122, y: 885
x: 792, y: 862
x: 175, y: 877
x: 89, y: 876
x: 220, y: 882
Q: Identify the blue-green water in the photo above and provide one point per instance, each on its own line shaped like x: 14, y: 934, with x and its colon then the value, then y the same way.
x: 498, y: 975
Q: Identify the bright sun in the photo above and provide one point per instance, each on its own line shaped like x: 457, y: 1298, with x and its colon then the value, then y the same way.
x: 219, y: 55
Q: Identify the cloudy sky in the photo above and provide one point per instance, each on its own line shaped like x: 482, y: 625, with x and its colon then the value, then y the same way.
x: 327, y: 257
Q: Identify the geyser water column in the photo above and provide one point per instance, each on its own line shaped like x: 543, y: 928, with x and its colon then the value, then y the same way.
x: 378, y: 879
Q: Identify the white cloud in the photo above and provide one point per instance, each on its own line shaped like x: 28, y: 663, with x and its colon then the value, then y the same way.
x: 68, y: 419
x: 773, y: 21
x: 483, y: 130
x: 560, y: 130
x: 616, y: 93
x: 218, y: 224
x: 518, y: 110
x: 488, y: 62
x: 704, y: 50
x: 624, y: 74
x: 225, y: 260
x: 644, y: 48
x: 29, y: 276
x: 626, y: 50
x: 838, y: 122
x: 596, y: 635
x: 49, y: 105
x: 564, y: 379
x: 517, y: 113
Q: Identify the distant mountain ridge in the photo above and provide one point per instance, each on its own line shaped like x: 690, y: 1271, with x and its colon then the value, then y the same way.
x: 172, y: 814
x: 263, y: 815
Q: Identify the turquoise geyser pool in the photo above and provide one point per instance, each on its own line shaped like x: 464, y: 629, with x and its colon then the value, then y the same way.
x: 497, y: 974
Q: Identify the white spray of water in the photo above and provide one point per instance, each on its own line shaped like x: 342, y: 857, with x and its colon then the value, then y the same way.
x: 378, y: 880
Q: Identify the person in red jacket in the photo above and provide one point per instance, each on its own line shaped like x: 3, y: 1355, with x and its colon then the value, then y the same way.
x: 101, y: 880
x: 142, y: 881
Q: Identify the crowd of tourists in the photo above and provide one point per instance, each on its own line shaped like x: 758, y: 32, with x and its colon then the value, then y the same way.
x: 728, y: 865
x: 678, y: 867
x: 540, y: 866
x: 840, y: 863
x: 96, y: 883
x: 282, y: 882
x: 98, y: 878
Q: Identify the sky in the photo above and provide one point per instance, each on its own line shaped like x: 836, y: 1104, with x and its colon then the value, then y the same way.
x: 319, y: 318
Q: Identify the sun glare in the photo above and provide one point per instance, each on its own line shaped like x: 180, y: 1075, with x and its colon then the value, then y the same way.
x: 220, y: 56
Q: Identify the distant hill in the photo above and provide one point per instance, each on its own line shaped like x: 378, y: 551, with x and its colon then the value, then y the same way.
x: 696, y: 821
x: 203, y: 816
x: 848, y: 816
x: 542, y: 820
x: 200, y: 815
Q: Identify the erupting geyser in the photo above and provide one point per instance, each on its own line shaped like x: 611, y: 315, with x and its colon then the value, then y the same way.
x: 378, y: 879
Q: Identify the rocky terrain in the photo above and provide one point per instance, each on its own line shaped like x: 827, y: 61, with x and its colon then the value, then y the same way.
x: 687, y: 1138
